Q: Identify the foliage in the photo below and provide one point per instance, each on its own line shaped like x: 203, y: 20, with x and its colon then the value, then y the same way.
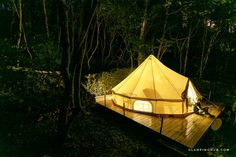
x: 8, y: 53
x: 11, y: 56
x: 28, y: 112
x: 79, y: 37
x: 102, y: 83
x: 43, y: 59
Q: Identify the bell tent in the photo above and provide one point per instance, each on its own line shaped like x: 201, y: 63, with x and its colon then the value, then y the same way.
x: 154, y: 88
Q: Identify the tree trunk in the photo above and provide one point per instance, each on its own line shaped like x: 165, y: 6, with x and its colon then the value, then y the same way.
x: 47, y: 30
x: 58, y: 29
x: 205, y: 55
x: 71, y: 64
x: 142, y: 33
x: 45, y: 18
x: 19, y: 13
x: 66, y: 107
x: 110, y: 47
x: 186, y: 52
x: 202, y: 55
x: 211, y: 43
x: 162, y: 47
x: 180, y: 45
x: 20, y: 23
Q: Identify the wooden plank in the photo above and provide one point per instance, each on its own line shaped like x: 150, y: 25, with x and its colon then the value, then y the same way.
x: 144, y: 120
x: 205, y: 125
x: 190, y: 124
x: 176, y: 129
x: 138, y: 117
x: 151, y: 120
x: 190, y: 127
x: 195, y: 135
x: 187, y: 131
x: 193, y: 129
x: 169, y: 125
x: 130, y: 115
x: 156, y: 124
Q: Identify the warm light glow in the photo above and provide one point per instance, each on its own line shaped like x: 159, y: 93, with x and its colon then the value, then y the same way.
x: 192, y: 97
x: 140, y: 105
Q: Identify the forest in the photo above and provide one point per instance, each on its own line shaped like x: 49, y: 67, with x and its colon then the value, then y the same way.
x: 57, y: 55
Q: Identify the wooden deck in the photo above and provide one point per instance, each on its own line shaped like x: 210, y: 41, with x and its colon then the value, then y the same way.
x: 186, y: 131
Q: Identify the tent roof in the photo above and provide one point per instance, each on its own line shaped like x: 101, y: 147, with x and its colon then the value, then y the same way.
x: 154, y: 81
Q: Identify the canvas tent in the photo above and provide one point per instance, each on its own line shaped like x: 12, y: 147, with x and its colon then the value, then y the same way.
x: 154, y: 88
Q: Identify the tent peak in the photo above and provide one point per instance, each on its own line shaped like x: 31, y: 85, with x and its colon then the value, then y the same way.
x: 151, y: 56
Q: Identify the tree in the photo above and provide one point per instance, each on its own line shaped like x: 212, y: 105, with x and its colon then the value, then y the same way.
x: 74, y: 42
x: 19, y: 12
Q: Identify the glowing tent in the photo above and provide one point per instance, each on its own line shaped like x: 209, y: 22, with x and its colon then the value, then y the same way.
x: 154, y: 88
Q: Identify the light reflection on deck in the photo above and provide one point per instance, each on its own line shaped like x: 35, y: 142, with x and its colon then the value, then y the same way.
x: 186, y: 131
